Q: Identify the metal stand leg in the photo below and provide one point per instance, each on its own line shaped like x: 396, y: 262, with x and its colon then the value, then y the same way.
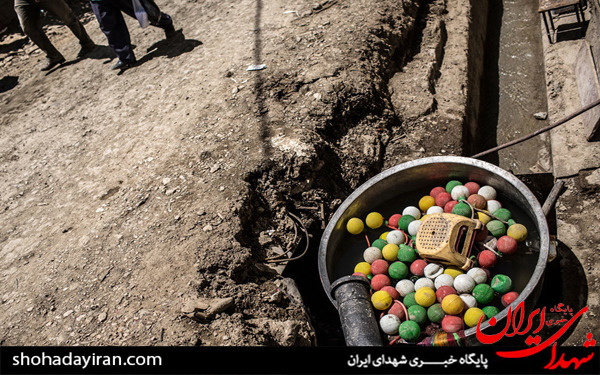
x: 547, y: 29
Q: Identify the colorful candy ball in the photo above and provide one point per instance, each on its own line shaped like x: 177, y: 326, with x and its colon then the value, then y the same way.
x: 502, y: 214
x: 484, y: 218
x: 453, y: 304
x: 506, y: 245
x: 493, y: 205
x: 379, y: 281
x: 417, y: 313
x: 418, y: 267
x: 379, y: 243
x: 442, y: 198
x: 437, y: 190
x: 473, y: 315
x: 464, y: 283
x: 393, y: 220
x: 444, y: 291
x: 487, y: 192
x: 487, y: 259
x: 381, y: 300
x: 406, y: 254
x: 398, y: 270
x: 389, y: 324
x: 397, y: 309
x: 452, y: 184
x: 425, y: 296
x: 390, y: 252
x: 518, y: 232
x: 443, y: 280
x: 383, y: 235
x: 379, y: 267
x: 404, y: 221
x: 409, y: 330
x: 412, y: 211
x: 477, y: 201
x: 478, y: 275
x: 509, y: 298
x: 450, y: 206
x: 391, y: 291
x: 371, y: 254
x: 409, y: 300
x: 473, y: 187
x: 469, y: 300
x: 435, y: 210
x: 496, y: 228
x: 459, y: 191
x: 413, y: 227
x: 374, y: 220
x: 435, y: 313
x: 396, y: 237
x: 423, y: 282
x: 433, y: 270
x: 501, y: 283
x: 405, y: 287
x: 452, y: 324
x: 363, y: 267
x: 426, y: 202
x: 490, y: 311
x: 483, y: 293
x: 462, y: 209
x: 355, y: 225
x: 453, y: 271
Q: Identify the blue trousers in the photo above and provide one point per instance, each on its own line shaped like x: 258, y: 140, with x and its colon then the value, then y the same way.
x: 112, y: 23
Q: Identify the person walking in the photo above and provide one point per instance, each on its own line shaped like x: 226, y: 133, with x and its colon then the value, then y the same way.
x: 112, y: 23
x: 29, y: 15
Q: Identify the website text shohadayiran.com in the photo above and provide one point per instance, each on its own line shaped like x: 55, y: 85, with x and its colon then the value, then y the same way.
x: 84, y: 361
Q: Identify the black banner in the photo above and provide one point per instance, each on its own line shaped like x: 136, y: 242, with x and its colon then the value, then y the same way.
x: 294, y: 360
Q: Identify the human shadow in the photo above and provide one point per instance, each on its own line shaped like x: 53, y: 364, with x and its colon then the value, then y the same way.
x: 171, y: 47
x: 99, y: 53
x: 8, y: 83
x: 15, y: 45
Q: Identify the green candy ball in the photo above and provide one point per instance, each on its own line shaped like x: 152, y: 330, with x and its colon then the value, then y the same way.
x: 452, y: 184
x: 398, y: 270
x: 496, y: 228
x: 406, y: 254
x: 435, y: 313
x: 409, y: 330
x: 511, y: 222
x: 462, y: 209
x: 409, y: 300
x: 417, y: 313
x: 379, y: 243
x: 490, y: 311
x: 483, y: 294
x: 404, y: 221
x: 501, y: 283
x: 502, y: 214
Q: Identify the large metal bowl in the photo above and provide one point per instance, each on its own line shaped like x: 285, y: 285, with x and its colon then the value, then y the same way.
x: 403, y: 184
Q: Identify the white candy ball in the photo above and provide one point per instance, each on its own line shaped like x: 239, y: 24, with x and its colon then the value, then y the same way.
x: 478, y: 275
x: 435, y: 210
x: 412, y: 211
x: 423, y: 282
x: 371, y: 254
x: 464, y: 284
x: 443, y: 279
x: 405, y: 287
x: 460, y: 191
x: 469, y: 300
x: 389, y: 324
x: 487, y: 192
x: 433, y: 270
x: 413, y: 227
x: 493, y: 205
x: 396, y: 237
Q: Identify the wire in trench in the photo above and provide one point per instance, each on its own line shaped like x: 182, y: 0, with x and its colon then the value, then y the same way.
x: 297, y: 222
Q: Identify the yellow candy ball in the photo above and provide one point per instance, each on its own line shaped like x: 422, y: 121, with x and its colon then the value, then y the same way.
x: 452, y: 304
x: 426, y: 202
x: 453, y: 272
x: 484, y: 218
x: 425, y: 296
x: 472, y: 316
x: 381, y: 300
x: 518, y: 232
x: 384, y: 236
x: 374, y: 220
x: 355, y: 225
x: 390, y: 252
x: 363, y: 267
x: 423, y: 217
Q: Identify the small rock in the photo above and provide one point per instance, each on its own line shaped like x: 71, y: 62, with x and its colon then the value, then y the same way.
x: 67, y: 313
x: 207, y: 228
x: 215, y: 168
x: 166, y: 180
x: 102, y: 317
x: 222, y: 188
x: 541, y: 115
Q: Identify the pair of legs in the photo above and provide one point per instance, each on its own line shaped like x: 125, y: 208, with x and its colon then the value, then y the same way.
x: 28, y: 12
x: 112, y: 23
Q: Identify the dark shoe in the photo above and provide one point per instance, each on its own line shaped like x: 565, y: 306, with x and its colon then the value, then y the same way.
x: 123, y: 65
x: 85, y: 50
x: 170, y: 31
x: 51, y: 63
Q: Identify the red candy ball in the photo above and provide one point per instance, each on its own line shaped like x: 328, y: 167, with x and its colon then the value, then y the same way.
x: 507, y: 245
x: 488, y: 272
x: 436, y: 190
x: 442, y: 198
x: 379, y: 281
x: 391, y: 291
x: 487, y: 259
x: 481, y: 234
x: 473, y: 187
x: 452, y: 324
x: 418, y: 267
x: 449, y: 206
x: 393, y: 221
x: 509, y: 298
x: 360, y: 274
x: 397, y: 310
x: 379, y: 267
x: 477, y: 201
x: 444, y: 291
